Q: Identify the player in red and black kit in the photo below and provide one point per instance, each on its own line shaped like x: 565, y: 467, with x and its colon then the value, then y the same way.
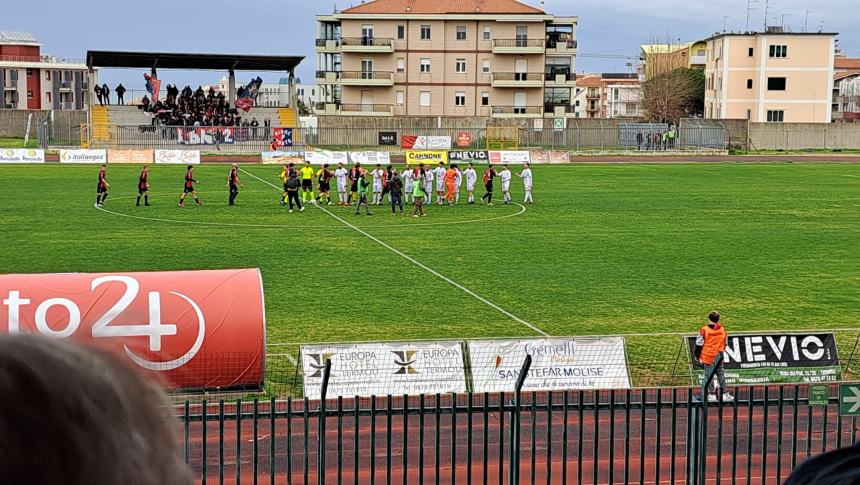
x: 189, y: 187
x: 324, y: 176
x: 489, y: 175
x: 102, y: 190
x: 233, y: 183
x: 143, y: 186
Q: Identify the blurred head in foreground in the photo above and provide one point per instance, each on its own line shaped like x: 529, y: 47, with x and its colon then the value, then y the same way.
x: 77, y: 416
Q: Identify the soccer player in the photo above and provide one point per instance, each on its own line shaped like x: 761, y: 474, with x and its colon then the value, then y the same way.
x: 324, y: 176
x: 395, y: 192
x: 307, y: 182
x: 526, y: 175
x: 489, y: 175
x: 387, y: 175
x: 101, y: 190
x: 439, y: 175
x: 377, y: 174
x: 233, y: 183
x: 143, y: 186
x: 458, y: 183
x: 292, y: 187
x: 354, y: 174
x: 285, y: 176
x: 341, y: 174
x: 363, y: 186
x: 418, y: 192
x: 505, y: 175
x: 189, y: 187
x: 471, y: 178
x: 408, y: 182
x: 450, y: 183
x: 427, y: 177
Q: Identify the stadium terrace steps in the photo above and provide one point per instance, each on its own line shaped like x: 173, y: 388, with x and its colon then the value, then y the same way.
x: 288, y: 118
x: 100, y: 123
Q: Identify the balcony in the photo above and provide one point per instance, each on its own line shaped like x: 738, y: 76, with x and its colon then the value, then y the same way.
x: 328, y: 45
x: 10, y: 84
x: 557, y: 109
x: 364, y: 78
x: 518, y: 46
x: 517, y: 111
x: 366, y: 109
x: 65, y: 86
x: 560, y: 78
x: 517, y: 79
x: 698, y: 60
x: 367, y: 45
x: 560, y: 46
x: 327, y: 77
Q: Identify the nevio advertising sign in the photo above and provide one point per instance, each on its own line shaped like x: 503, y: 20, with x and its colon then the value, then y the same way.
x: 192, y: 329
x: 556, y: 364
x: 384, y: 369
x: 776, y: 358
x: 468, y: 156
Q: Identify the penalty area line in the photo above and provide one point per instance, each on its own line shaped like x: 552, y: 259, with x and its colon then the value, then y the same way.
x: 419, y: 264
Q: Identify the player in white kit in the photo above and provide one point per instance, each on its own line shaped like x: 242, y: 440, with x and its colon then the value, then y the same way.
x: 408, y: 183
x: 471, y: 179
x: 341, y: 174
x: 526, y: 175
x: 439, y: 173
x: 377, y: 184
x: 505, y: 175
x: 428, y: 185
x: 458, y: 182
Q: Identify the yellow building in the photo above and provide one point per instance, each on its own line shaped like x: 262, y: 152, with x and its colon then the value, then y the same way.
x: 662, y: 58
x: 770, y: 77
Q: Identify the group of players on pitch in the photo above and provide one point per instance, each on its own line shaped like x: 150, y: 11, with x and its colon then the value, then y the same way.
x: 413, y: 185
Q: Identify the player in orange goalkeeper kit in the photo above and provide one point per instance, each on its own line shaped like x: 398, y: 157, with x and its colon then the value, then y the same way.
x: 451, y: 183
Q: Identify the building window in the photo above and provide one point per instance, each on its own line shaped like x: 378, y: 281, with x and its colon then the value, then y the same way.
x: 425, y: 65
x: 749, y: 83
x: 615, y: 94
x: 779, y: 51
x: 424, y: 99
x: 401, y: 65
x: 775, y: 116
x: 460, y: 98
x: 700, y: 53
x: 399, y: 97
x: 29, y: 72
x: 425, y: 32
x: 749, y: 113
x: 751, y: 51
x: 486, y: 33
x: 461, y: 32
x: 776, y: 84
x: 460, y: 66
x: 29, y: 94
x: 485, y: 66
x: 401, y: 32
x: 485, y: 99
x: 48, y: 97
x: 47, y: 75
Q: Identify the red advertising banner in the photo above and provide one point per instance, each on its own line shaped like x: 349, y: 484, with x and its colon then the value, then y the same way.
x: 408, y: 141
x: 192, y: 329
x: 464, y: 139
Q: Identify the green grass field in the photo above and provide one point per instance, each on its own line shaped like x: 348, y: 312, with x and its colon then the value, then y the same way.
x: 606, y: 250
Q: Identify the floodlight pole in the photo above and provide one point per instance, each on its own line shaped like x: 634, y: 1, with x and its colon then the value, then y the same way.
x: 322, y: 419
x: 514, y: 462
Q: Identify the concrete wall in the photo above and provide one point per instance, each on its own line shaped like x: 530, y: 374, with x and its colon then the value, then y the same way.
x: 13, y: 123
x: 801, y: 136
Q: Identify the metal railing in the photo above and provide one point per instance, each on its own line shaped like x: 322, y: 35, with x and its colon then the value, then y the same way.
x: 555, y: 43
x: 323, y: 42
x: 365, y: 108
x: 566, y: 437
x: 519, y: 110
x: 367, y: 41
x: 517, y: 76
x: 518, y: 42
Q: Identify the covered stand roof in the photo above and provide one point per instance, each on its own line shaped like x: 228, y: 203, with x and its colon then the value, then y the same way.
x: 213, y: 62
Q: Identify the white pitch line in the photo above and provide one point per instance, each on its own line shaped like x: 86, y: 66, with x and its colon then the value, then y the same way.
x: 288, y: 356
x: 419, y: 264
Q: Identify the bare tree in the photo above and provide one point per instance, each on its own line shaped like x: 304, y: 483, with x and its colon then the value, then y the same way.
x: 670, y: 90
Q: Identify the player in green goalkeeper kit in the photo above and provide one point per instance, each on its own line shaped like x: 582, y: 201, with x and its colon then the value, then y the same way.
x: 363, y: 187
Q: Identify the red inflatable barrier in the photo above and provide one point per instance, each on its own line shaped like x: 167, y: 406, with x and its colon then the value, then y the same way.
x: 194, y: 329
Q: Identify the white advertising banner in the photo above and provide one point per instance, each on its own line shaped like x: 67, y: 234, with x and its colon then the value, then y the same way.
x: 370, y: 158
x: 183, y: 157
x: 384, y: 369
x: 557, y: 364
x: 83, y: 156
x: 22, y: 155
x: 432, y: 143
x: 319, y: 157
x: 515, y: 157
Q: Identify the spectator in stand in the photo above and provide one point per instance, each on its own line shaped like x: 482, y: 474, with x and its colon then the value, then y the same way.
x: 254, y: 125
x: 98, y: 91
x: 639, y: 140
x: 145, y: 103
x: 106, y: 93
x: 120, y: 92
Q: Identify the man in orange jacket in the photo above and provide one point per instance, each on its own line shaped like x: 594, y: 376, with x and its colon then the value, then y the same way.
x: 710, y: 343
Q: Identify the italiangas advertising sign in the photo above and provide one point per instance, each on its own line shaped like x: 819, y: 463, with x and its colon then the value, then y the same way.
x: 193, y: 329
x: 556, y: 364
x: 776, y: 358
x: 382, y: 369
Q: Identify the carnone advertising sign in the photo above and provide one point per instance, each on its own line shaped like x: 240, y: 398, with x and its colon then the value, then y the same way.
x: 776, y: 358
x: 192, y: 329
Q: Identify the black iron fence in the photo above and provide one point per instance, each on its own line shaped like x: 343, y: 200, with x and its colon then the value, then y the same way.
x: 584, y: 437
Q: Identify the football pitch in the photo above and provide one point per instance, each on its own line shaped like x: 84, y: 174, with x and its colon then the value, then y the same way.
x: 605, y: 250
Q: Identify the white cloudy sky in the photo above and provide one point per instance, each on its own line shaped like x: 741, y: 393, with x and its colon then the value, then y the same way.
x: 609, y: 30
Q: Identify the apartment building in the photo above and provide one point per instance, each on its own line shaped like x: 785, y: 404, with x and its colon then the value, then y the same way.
x: 501, y: 58
x: 32, y: 80
x: 608, y: 95
x: 773, y: 76
x: 846, y: 90
x: 656, y: 59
